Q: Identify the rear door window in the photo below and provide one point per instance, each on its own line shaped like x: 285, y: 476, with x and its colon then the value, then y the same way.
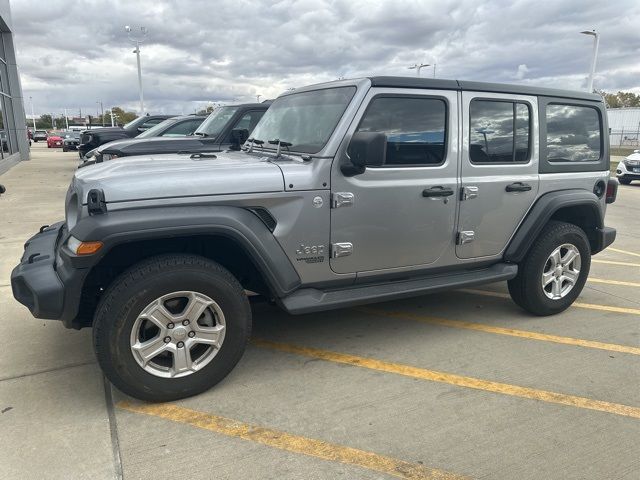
x: 499, y: 131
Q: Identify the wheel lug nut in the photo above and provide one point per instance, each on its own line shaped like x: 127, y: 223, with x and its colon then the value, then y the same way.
x: 185, y: 322
x: 170, y: 325
x: 167, y: 339
x: 192, y: 334
x: 180, y: 344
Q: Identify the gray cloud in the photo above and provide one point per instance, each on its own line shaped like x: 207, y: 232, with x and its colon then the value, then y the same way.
x: 74, y: 53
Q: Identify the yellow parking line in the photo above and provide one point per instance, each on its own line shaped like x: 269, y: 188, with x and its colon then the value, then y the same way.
x: 623, y: 251
x: 613, y: 282
x: 611, y: 262
x: 611, y: 347
x: 289, y: 442
x: 453, y: 379
x: 589, y: 306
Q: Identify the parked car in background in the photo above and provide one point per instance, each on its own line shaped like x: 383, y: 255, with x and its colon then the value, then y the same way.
x: 71, y: 141
x: 90, y: 139
x: 175, y: 127
x: 54, y: 139
x: 39, y: 135
x: 226, y: 127
x: 629, y: 168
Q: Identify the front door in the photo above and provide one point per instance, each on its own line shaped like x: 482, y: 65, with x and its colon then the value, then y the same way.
x: 402, y: 214
x: 499, y: 170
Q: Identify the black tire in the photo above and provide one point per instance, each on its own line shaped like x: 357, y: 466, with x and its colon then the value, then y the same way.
x: 64, y: 149
x: 526, y: 288
x: 624, y: 181
x: 132, y: 291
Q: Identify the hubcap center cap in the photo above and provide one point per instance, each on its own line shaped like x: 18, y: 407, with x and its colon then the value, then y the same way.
x: 179, y: 333
x: 559, y: 270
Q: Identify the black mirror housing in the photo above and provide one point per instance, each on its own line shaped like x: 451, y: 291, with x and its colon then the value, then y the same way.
x: 238, y: 136
x: 366, y: 149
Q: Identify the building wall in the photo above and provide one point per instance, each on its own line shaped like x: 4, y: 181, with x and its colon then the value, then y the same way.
x: 624, y: 125
x: 14, y: 145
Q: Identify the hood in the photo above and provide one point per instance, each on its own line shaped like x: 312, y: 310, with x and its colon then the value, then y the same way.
x: 145, y: 146
x: 167, y: 176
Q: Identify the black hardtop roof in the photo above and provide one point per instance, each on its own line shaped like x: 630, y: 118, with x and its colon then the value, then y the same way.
x: 438, y: 84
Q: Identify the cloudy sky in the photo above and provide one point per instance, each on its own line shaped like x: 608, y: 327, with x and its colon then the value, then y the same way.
x: 73, y: 53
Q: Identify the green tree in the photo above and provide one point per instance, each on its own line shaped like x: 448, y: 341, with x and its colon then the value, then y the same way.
x: 44, y: 122
x: 620, y: 99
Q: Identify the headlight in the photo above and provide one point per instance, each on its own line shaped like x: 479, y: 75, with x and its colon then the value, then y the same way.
x: 83, y: 248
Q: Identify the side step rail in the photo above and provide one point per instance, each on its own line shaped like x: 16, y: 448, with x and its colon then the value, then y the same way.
x: 308, y: 300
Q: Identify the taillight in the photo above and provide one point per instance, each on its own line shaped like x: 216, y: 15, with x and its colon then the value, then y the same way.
x: 612, y: 190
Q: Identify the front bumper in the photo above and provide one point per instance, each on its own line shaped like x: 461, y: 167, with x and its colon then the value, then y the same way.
x: 44, y: 282
x: 631, y: 172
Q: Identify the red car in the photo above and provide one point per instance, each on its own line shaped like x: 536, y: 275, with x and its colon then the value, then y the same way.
x: 55, y: 139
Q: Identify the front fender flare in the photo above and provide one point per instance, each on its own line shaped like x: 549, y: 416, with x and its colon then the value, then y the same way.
x: 236, y: 223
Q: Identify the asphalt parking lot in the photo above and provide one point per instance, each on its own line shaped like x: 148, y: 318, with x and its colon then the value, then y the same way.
x: 455, y: 385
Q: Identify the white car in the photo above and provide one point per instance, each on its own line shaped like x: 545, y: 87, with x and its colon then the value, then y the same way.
x: 629, y: 169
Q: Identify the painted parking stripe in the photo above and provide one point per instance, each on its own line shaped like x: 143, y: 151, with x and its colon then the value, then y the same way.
x: 611, y: 262
x: 613, y: 282
x: 289, y: 442
x: 611, y: 347
x: 623, y: 251
x: 589, y: 306
x: 453, y: 379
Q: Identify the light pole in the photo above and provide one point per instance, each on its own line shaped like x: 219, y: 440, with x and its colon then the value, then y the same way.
x: 417, y: 67
x: 66, y: 119
x: 258, y: 98
x: 137, y: 38
x: 596, y: 41
x: 33, y: 115
x: 99, y: 102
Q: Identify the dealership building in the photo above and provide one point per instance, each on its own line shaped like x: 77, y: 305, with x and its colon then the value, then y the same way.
x: 13, y: 132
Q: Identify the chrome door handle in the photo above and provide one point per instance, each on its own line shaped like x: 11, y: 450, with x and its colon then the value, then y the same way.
x: 518, y: 187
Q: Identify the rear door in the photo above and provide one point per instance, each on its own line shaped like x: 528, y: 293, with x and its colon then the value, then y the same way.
x: 499, y: 170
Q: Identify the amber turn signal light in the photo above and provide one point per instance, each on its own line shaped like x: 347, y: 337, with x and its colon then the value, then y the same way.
x: 88, y: 248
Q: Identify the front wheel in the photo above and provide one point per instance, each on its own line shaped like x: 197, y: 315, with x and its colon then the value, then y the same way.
x: 554, y: 271
x: 171, y: 327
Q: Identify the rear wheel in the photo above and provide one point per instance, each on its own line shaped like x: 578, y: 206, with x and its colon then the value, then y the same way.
x: 171, y: 327
x: 554, y: 271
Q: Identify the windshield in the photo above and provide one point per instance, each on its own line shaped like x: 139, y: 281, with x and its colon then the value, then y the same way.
x: 156, y: 129
x: 215, y: 123
x: 135, y: 122
x: 305, y: 120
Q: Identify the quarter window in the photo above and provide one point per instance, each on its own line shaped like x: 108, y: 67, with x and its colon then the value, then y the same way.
x: 415, y: 128
x: 499, y: 131
x: 573, y: 133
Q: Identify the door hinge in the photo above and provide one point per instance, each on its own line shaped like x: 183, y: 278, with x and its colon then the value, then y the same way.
x: 467, y: 193
x: 341, y: 249
x: 342, y: 199
x: 466, y: 236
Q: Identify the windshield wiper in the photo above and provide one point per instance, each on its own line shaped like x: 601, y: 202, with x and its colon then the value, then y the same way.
x: 280, y: 143
x: 252, y: 142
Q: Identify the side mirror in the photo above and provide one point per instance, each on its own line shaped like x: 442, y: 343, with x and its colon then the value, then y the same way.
x: 238, y: 136
x: 366, y: 149
x: 140, y: 129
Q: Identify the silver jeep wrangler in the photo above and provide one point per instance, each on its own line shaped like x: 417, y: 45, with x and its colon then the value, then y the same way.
x: 348, y: 192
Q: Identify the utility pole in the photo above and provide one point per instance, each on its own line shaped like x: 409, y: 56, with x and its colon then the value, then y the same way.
x: 594, y: 56
x: 66, y: 119
x: 101, y: 111
x: 53, y: 122
x: 137, y: 40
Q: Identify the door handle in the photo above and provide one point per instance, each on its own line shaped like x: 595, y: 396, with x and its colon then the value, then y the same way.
x: 518, y: 187
x: 437, y: 192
